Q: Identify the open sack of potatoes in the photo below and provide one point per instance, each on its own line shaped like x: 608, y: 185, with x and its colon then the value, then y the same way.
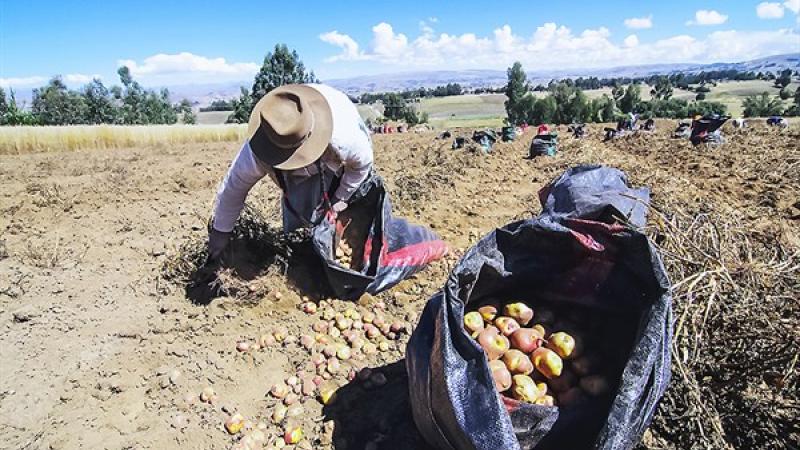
x: 550, y: 333
x: 368, y: 249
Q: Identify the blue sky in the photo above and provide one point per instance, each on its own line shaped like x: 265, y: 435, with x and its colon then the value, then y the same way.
x: 179, y: 42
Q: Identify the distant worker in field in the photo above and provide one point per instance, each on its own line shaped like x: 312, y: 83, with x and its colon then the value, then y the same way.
x: 310, y: 140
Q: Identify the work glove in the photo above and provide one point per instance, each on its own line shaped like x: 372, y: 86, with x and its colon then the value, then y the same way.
x: 336, y: 207
x: 339, y: 206
x: 218, y: 242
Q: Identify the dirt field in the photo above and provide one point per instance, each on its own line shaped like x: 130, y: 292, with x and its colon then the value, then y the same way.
x: 98, y: 350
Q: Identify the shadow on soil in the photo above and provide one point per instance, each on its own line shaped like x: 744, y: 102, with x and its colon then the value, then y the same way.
x: 375, y: 418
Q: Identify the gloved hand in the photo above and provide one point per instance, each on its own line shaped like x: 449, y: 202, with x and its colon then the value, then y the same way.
x: 339, y: 206
x: 218, y: 242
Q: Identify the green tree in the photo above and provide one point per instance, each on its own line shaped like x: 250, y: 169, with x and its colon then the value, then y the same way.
x: 132, y: 96
x: 3, y: 104
x: 394, y: 106
x: 761, y: 105
x: 700, y: 96
x: 140, y: 106
x: 184, y: 108
x: 617, y: 92
x: 783, y: 78
x: 794, y: 110
x: 100, y: 107
x: 603, y: 109
x: 242, y: 106
x: 705, y: 108
x: 784, y: 94
x: 631, y: 99
x: 280, y: 67
x: 412, y: 117
x: 14, y: 115
x: 516, y: 90
x: 54, y: 104
x: 542, y: 110
x: 662, y: 89
x: 158, y: 109
x: 579, y: 108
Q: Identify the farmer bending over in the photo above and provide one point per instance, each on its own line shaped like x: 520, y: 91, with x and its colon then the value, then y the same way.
x: 309, y: 139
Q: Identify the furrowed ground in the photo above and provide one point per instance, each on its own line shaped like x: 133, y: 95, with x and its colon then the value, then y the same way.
x: 91, y: 329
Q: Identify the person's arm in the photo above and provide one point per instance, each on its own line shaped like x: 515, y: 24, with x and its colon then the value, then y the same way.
x: 357, y: 163
x: 245, y: 171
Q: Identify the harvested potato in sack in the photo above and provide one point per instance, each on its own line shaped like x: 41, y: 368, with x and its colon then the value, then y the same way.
x: 367, y: 249
x: 550, y: 333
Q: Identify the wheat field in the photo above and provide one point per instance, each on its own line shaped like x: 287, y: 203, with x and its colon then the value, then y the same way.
x: 28, y: 139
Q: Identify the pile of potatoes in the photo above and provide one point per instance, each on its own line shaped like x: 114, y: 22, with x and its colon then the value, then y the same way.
x: 529, y: 361
x: 344, y: 253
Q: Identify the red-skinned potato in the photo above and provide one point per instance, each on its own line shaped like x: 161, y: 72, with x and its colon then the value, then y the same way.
x: 518, y: 311
x: 473, y: 322
x: 562, y: 343
x: 523, y: 388
x: 518, y: 362
x: 547, y: 362
x: 488, y: 312
x: 501, y: 375
x: 494, y: 344
x: 540, y: 330
x: 526, y: 340
x: 506, y: 325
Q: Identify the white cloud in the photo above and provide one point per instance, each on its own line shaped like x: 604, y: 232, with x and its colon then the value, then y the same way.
x: 769, y: 10
x: 504, y: 39
x: 385, y: 42
x: 186, y: 67
x: 349, y: 47
x: 708, y: 17
x: 19, y: 82
x: 639, y: 23
x: 554, y: 46
x: 792, y: 5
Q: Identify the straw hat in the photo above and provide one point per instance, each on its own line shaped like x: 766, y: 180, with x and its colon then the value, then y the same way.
x: 290, y: 127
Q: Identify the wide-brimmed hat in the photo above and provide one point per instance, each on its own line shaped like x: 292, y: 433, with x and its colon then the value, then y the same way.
x: 290, y: 127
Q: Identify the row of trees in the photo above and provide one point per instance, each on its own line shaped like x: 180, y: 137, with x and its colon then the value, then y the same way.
x: 94, y: 103
x: 565, y: 101
x: 408, y: 94
x: 680, y: 80
x: 396, y: 107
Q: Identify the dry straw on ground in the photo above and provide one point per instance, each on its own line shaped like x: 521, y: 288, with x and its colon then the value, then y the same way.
x: 734, y: 348
x: 20, y: 140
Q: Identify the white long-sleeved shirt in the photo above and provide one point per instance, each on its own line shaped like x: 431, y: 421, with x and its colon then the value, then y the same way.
x: 349, y: 154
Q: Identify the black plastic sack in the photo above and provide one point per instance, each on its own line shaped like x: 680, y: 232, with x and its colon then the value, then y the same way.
x: 543, y: 145
x: 706, y: 130
x: 390, y: 249
x: 575, y: 257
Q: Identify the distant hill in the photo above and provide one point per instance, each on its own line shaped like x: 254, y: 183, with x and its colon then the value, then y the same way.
x: 494, y: 78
